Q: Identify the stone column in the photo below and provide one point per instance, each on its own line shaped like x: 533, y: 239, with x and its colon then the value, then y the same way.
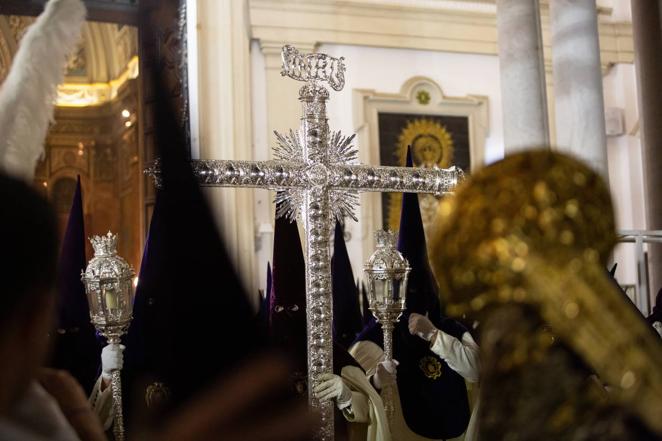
x: 577, y: 74
x: 647, y: 29
x: 523, y: 93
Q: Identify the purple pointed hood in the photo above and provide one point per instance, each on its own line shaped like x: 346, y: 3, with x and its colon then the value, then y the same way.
x: 192, y: 318
x: 422, y: 291
x: 287, y: 306
x: 287, y: 300
x: 76, y: 348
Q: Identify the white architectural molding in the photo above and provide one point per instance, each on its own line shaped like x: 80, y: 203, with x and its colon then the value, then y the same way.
x: 367, y: 104
x: 465, y: 26
x: 373, y: 24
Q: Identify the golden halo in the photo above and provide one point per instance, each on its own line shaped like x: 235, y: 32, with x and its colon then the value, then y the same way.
x: 431, y: 145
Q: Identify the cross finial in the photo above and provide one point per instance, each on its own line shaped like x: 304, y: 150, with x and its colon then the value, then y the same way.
x: 313, y: 67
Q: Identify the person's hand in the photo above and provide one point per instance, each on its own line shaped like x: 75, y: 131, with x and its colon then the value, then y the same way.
x: 658, y: 327
x: 243, y: 406
x: 112, y: 359
x: 71, y: 398
x: 385, y: 374
x: 332, y: 386
x: 421, y: 326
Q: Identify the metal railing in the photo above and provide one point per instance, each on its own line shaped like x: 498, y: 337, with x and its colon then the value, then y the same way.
x: 639, y: 238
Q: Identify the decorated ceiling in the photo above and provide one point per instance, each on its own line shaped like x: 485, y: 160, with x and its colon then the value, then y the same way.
x: 104, y: 60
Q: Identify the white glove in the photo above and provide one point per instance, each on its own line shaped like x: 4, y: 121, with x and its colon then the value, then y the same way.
x: 111, y: 360
x: 658, y: 327
x: 332, y: 386
x: 385, y: 374
x: 422, y: 326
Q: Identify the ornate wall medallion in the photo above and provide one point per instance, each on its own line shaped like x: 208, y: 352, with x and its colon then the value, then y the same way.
x: 423, y: 97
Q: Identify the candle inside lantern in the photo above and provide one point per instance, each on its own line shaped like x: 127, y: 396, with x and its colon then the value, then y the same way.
x: 110, y: 296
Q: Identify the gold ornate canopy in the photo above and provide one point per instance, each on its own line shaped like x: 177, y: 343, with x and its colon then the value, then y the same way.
x: 431, y: 146
x: 536, y: 229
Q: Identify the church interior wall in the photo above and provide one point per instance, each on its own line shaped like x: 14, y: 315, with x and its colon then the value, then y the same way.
x: 386, y: 70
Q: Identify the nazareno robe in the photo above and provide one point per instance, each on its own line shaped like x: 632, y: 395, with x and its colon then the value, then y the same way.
x: 432, y: 396
x: 366, y: 414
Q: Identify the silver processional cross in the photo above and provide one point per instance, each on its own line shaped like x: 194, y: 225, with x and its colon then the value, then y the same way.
x: 317, y: 179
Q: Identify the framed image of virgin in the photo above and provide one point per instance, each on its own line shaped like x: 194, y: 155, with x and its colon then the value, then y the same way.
x: 441, y: 130
x: 435, y: 141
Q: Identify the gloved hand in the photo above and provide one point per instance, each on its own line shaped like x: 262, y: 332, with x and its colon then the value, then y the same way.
x: 332, y: 386
x: 111, y: 359
x: 422, y: 326
x: 385, y: 374
x: 658, y: 327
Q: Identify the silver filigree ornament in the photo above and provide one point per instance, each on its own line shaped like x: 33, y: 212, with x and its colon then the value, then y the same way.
x: 387, y: 274
x: 316, y: 179
x: 108, y: 281
x: 313, y: 67
x: 341, y: 152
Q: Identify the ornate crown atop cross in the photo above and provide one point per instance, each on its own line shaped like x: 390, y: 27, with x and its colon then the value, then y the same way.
x: 317, y: 178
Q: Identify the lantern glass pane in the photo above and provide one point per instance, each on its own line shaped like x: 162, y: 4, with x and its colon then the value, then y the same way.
x: 398, y: 297
x: 387, y: 300
x: 93, y: 298
x: 379, y: 290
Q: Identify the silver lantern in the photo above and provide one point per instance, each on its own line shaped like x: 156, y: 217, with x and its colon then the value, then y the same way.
x: 108, y: 283
x: 386, y: 273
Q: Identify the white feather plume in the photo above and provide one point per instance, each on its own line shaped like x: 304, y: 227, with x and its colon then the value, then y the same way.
x: 28, y: 95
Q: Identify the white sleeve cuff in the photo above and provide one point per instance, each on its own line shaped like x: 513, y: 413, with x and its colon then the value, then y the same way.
x: 461, y: 356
